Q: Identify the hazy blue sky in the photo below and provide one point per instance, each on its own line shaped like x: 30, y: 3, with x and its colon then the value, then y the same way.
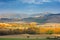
x: 29, y: 6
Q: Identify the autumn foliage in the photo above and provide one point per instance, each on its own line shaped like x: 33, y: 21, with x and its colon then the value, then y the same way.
x: 28, y: 28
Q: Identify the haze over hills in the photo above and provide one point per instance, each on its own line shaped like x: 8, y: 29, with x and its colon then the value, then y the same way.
x: 6, y: 17
x: 13, y: 15
x: 40, y: 17
x: 53, y: 18
x: 46, y: 18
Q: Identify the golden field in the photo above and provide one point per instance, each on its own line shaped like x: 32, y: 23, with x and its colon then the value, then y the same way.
x: 29, y: 28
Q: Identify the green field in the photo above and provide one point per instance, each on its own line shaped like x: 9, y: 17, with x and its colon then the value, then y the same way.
x: 19, y: 39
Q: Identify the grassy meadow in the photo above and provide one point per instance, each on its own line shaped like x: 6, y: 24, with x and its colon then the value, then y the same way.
x: 19, y: 39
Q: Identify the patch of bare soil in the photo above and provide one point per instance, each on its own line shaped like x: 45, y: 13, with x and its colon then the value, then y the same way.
x: 27, y: 36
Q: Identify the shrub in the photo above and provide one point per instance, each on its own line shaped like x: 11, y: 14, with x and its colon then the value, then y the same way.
x: 4, y: 32
x: 32, y: 30
x: 49, y: 32
x: 16, y: 31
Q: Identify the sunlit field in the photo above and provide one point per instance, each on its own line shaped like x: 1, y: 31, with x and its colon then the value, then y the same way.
x: 28, y: 31
x: 29, y: 28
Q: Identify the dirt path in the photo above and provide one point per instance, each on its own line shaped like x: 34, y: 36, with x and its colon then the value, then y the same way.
x: 26, y: 36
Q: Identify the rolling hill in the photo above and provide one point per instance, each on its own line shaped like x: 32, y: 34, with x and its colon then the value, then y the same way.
x: 48, y: 18
x: 39, y: 18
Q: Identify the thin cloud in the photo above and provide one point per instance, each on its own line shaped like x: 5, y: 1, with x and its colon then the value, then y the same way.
x: 38, y: 1
x: 57, y: 0
x: 34, y: 1
x: 28, y: 1
x: 46, y: 0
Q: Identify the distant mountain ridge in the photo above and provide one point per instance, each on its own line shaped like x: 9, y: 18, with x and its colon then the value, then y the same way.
x: 39, y: 18
x: 53, y: 18
x: 48, y: 18
x: 11, y: 17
